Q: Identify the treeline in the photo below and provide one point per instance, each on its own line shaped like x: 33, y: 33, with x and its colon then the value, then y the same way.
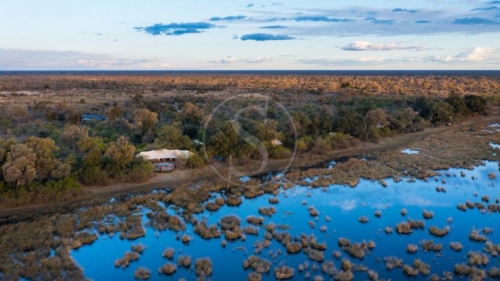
x: 293, y: 84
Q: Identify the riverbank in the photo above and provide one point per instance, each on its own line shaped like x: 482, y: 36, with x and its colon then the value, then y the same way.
x: 98, y: 195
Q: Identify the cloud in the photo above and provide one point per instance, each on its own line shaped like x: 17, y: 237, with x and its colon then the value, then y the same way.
x: 321, y: 19
x: 422, y: 21
x: 277, y: 4
x: 266, y: 37
x: 377, y: 21
x: 340, y: 62
x: 19, y: 59
x: 493, y: 2
x: 176, y: 28
x: 475, y: 21
x: 477, y: 54
x: 228, y: 18
x: 235, y: 36
x: 258, y: 60
x: 492, y: 8
x: 227, y: 60
x: 274, y: 27
x: 367, y: 46
x: 250, y: 5
x: 231, y: 59
x: 404, y: 10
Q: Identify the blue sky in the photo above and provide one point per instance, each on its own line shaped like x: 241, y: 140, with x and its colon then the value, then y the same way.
x: 227, y: 35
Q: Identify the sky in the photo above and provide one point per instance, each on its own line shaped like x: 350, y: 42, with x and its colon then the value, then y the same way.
x: 250, y: 35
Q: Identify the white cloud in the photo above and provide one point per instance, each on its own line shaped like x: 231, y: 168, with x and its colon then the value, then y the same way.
x: 370, y: 59
x: 231, y: 59
x: 258, y: 60
x: 18, y: 59
x: 477, y: 54
x: 367, y: 46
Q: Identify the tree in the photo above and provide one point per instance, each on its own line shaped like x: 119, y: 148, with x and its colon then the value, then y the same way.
x: 476, y: 104
x: 441, y: 112
x: 47, y: 165
x: 171, y: 137
x: 115, y: 113
x: 351, y: 122
x: 20, y: 167
x: 302, y: 123
x: 121, y: 153
x: 74, y: 133
x: 267, y: 131
x: 373, y: 119
x: 459, y: 105
x: 144, y: 120
x: 191, y: 114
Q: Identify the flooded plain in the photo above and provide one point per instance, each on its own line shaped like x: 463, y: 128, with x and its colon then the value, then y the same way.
x: 458, y: 205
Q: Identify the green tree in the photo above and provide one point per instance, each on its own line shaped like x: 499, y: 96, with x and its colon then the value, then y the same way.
x: 121, y: 153
x: 171, y: 137
x: 144, y: 120
x: 351, y: 122
x: 441, y: 112
x: 476, y: 104
x: 459, y: 105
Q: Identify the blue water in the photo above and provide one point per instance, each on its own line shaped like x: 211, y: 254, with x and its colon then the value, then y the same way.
x: 344, y: 206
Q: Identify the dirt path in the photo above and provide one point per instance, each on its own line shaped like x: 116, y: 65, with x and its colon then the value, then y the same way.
x: 97, y: 195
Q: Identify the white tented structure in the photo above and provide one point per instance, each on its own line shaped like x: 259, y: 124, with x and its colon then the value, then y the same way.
x: 164, y: 155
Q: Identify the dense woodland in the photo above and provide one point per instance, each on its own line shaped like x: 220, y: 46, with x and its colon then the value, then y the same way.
x: 48, y: 153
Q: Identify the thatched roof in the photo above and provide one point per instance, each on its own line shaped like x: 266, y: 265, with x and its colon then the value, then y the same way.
x: 164, y: 154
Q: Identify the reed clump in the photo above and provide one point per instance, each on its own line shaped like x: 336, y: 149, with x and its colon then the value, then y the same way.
x: 267, y: 211
x: 283, y: 272
x: 184, y: 260
x: 255, y: 220
x: 206, y: 232
x: 411, y: 248
x: 428, y: 214
x: 139, y: 248
x: 142, y: 273
x: 168, y: 253
x: 476, y: 237
x: 293, y: 247
x: 392, y: 262
x: 456, y: 246
x: 257, y: 264
x: 254, y: 276
x: 203, y: 267
x: 124, y: 262
x: 436, y: 231
x: 478, y: 259
x: 167, y: 269
x: 314, y: 255
x: 233, y: 201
